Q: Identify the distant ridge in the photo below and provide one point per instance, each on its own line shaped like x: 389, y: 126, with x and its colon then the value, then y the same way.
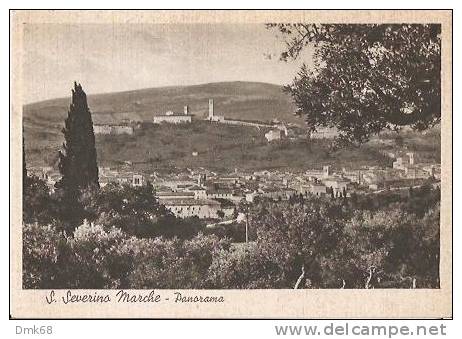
x: 238, y: 100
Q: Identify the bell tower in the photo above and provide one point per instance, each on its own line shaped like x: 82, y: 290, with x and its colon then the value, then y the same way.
x: 210, y: 117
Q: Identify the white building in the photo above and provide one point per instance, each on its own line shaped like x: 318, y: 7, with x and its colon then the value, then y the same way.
x: 173, y: 118
x: 219, y: 193
x: 122, y: 178
x: 199, y: 192
x: 324, y: 133
x: 212, y: 116
x: 112, y: 129
x: 339, y: 185
x: 169, y: 195
x: 138, y: 180
x: 274, y: 134
x: 250, y: 197
x: 202, y: 208
x: 313, y: 188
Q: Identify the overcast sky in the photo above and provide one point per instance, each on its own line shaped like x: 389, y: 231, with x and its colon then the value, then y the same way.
x: 108, y: 58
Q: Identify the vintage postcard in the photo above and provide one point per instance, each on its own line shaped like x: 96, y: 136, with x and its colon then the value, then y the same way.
x: 231, y: 164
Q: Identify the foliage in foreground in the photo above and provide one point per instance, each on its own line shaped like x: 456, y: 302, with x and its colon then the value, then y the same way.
x: 135, y: 210
x: 314, y: 244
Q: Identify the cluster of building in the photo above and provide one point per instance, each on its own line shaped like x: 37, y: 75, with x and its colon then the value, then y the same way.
x: 120, y: 176
x: 208, y: 195
x: 414, y: 170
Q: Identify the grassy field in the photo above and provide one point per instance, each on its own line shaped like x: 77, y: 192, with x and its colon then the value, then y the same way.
x: 219, y: 147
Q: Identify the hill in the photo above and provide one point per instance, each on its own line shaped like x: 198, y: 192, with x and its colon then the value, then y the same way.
x: 217, y: 146
x: 239, y: 100
x: 225, y: 147
x: 222, y: 148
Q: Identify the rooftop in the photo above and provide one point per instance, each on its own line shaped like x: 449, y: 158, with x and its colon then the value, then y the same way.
x: 191, y: 202
x: 174, y: 194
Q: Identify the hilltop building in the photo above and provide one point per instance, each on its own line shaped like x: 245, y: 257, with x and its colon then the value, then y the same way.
x: 212, y: 116
x: 221, y: 119
x: 324, y: 133
x: 116, y: 129
x: 174, y: 118
x: 274, y: 134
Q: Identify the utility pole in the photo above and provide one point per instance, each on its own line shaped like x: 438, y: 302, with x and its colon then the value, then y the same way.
x: 246, y: 228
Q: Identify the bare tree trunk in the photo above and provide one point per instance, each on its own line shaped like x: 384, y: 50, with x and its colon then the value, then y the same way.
x: 300, y: 278
x: 369, y: 278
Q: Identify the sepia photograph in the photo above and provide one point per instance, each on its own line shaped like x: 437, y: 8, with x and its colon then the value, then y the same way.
x: 193, y: 158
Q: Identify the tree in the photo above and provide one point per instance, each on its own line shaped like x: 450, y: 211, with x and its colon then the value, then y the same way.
x: 99, y: 258
x: 163, y: 263
x: 296, y: 238
x: 245, y: 266
x: 77, y: 162
x: 136, y: 211
x: 41, y: 256
x: 366, y: 78
x: 38, y: 205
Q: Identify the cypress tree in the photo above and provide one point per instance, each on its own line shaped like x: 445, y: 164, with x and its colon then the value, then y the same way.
x: 77, y: 160
x: 77, y: 163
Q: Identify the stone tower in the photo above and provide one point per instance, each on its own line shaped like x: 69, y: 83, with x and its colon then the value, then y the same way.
x: 186, y: 110
x: 210, y: 109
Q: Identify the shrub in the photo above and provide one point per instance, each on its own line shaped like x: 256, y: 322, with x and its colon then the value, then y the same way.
x: 100, y: 258
x: 41, y: 250
x: 161, y: 263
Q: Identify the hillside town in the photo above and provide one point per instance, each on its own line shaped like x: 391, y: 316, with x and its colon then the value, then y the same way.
x: 210, y: 195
